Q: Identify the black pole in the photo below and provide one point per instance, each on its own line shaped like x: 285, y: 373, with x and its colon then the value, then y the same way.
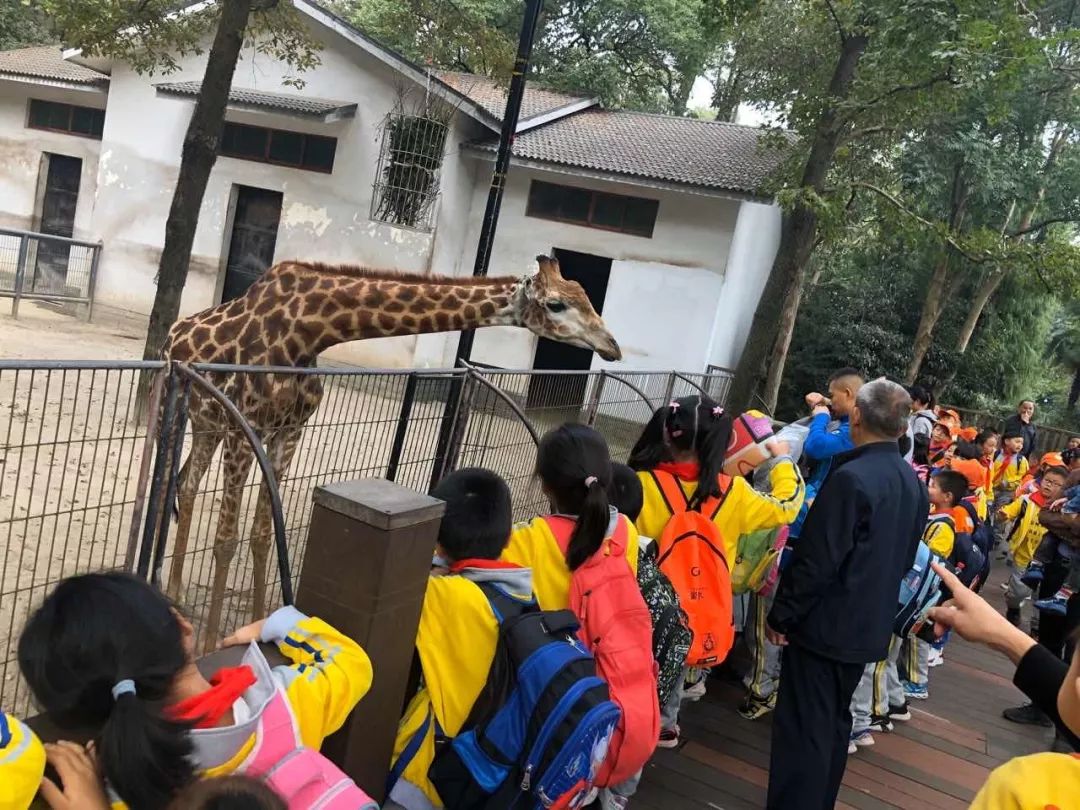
x: 502, y: 157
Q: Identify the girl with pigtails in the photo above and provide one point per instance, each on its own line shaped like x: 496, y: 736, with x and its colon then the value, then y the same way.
x: 680, y: 456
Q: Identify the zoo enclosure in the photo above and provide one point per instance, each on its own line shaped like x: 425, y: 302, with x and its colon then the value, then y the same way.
x: 45, y: 267
x: 85, y: 484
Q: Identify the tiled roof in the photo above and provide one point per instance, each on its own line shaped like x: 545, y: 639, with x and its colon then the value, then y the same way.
x: 293, y: 104
x: 688, y: 151
x: 491, y: 95
x: 46, y: 62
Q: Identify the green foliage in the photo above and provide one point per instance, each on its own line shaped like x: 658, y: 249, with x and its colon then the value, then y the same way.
x: 22, y: 24
x: 643, y: 54
x: 152, y: 36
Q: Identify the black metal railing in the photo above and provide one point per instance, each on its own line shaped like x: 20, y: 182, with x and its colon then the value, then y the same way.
x: 44, y: 267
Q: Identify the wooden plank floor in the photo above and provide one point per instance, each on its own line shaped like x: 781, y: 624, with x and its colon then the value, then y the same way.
x: 938, y: 759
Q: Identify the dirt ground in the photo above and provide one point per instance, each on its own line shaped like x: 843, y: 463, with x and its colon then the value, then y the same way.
x: 72, y: 455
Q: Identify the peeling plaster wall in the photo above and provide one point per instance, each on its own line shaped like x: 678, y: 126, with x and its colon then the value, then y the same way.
x: 21, y: 149
x: 325, y: 217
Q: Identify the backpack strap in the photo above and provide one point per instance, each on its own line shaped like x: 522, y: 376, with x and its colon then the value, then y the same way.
x: 671, y: 491
x: 562, y: 528
x: 408, y: 754
x: 502, y: 603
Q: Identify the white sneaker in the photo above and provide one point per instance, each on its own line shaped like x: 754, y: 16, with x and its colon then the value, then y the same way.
x: 695, y: 692
x: 852, y: 748
x: 936, y: 658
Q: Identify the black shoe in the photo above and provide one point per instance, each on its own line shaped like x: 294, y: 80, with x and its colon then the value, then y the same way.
x: 900, y: 712
x: 1028, y: 714
x: 1012, y: 616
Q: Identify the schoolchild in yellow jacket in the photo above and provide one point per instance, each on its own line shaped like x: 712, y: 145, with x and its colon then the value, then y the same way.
x: 22, y: 764
x: 458, y: 628
x: 109, y: 652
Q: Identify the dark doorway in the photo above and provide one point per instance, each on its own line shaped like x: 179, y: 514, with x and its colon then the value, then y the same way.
x: 59, y: 199
x: 254, y: 237
x: 560, y: 390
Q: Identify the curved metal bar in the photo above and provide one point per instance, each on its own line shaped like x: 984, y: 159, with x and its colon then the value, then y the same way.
x: 690, y: 382
x: 263, y: 460
x: 633, y: 388
x: 474, y: 374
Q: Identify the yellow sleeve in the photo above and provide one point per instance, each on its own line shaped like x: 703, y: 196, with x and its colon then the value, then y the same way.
x: 1011, y: 510
x: 940, y: 537
x: 746, y: 510
x: 328, y: 674
x: 654, y: 515
x: 1037, y: 780
x: 22, y: 763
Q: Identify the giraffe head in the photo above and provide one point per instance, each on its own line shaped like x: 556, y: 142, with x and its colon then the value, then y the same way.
x: 553, y: 307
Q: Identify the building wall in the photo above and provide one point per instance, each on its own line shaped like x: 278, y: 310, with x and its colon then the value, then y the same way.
x: 662, y: 291
x: 324, y: 217
x: 21, y: 150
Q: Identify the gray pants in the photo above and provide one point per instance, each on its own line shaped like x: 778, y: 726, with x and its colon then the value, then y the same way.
x: 764, y: 675
x: 1002, y: 498
x: 1018, y: 592
x: 879, y: 686
x: 669, y: 712
x: 915, y: 662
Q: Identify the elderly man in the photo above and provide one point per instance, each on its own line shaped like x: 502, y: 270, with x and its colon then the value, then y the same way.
x: 836, y: 602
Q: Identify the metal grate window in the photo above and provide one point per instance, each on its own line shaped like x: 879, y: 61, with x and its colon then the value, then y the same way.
x: 407, y: 180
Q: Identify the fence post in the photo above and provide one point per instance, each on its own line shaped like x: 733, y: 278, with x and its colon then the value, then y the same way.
x: 594, y: 403
x: 452, y: 428
x: 368, y: 557
x: 90, y: 287
x: 402, y: 428
x: 669, y: 391
x: 20, y: 273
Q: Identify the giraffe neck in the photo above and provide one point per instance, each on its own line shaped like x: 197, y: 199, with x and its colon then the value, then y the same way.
x: 317, y: 309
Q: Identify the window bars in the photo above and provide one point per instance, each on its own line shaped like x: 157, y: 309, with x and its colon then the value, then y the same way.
x: 407, y: 179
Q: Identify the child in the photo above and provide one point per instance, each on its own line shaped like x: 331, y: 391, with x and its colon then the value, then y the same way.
x: 1059, y: 602
x: 228, y: 793
x: 1025, y: 539
x: 1008, y: 471
x: 941, y: 445
x: 687, y: 440
x: 586, y: 531
x: 1030, y: 482
x: 107, y: 652
x: 458, y: 628
x: 988, y: 442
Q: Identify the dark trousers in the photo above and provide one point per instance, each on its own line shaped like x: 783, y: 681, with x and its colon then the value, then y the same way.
x: 1054, y: 630
x: 811, y: 729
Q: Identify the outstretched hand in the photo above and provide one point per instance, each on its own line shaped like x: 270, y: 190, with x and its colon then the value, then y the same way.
x: 778, y: 447
x: 974, y: 619
x: 82, y: 788
x: 245, y: 635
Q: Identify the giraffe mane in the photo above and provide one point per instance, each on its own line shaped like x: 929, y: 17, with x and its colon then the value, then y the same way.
x: 378, y: 274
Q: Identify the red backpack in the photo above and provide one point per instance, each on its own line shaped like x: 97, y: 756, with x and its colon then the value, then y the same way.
x: 616, y: 627
x: 692, y: 555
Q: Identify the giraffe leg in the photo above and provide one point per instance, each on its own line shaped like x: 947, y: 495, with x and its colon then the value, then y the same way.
x: 236, y: 460
x: 280, y: 449
x: 203, y: 445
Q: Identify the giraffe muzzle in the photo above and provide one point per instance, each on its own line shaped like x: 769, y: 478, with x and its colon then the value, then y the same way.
x: 608, y: 349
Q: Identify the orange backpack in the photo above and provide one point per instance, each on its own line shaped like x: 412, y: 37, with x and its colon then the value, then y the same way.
x: 616, y: 627
x: 691, y: 554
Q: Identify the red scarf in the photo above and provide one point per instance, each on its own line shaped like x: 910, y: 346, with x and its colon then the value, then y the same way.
x: 1038, y: 499
x: 207, y: 709
x: 683, y: 470
x: 476, y: 562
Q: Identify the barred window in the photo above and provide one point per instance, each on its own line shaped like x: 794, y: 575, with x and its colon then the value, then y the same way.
x: 407, y: 179
x: 70, y: 118
x: 593, y: 209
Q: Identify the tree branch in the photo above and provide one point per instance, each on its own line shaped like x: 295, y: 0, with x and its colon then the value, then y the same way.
x: 1038, y: 226
x: 899, y: 206
x: 840, y: 32
x: 907, y: 88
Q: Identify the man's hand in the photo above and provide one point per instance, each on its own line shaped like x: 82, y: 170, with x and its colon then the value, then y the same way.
x: 776, y: 447
x: 779, y: 639
x: 1056, y: 505
x: 814, y: 399
x: 821, y: 409
x: 82, y: 786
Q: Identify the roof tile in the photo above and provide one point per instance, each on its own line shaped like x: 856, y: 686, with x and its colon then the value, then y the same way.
x: 47, y: 62
x: 300, y: 105
x: 491, y: 95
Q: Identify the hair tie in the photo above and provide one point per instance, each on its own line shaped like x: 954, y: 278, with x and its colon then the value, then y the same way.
x: 123, y: 687
x: 717, y: 412
x: 592, y: 479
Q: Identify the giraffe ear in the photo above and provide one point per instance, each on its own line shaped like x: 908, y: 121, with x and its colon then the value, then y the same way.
x: 549, y: 268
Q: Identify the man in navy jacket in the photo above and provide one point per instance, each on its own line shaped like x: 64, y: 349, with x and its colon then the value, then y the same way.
x: 836, y: 602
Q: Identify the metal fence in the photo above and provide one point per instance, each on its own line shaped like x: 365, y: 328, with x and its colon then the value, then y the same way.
x: 85, y: 485
x: 44, y: 267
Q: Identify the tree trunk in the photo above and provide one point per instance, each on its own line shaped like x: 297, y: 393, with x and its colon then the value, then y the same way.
x: 197, y: 159
x: 768, y: 339
x: 933, y: 305
x: 979, y: 301
x: 778, y: 359
x: 1074, y: 390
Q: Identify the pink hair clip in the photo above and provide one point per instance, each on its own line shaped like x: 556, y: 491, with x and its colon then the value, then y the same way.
x: 717, y: 412
x: 592, y: 479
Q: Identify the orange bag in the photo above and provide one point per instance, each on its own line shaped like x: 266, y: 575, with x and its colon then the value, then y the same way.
x: 690, y: 552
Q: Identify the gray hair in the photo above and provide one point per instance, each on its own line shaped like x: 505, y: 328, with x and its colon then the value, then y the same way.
x: 884, y: 407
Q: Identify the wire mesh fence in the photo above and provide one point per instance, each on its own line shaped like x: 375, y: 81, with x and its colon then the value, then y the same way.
x: 45, y: 267
x: 71, y: 456
x: 76, y: 463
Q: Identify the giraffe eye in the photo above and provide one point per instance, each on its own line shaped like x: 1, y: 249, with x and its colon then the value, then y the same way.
x: 556, y: 306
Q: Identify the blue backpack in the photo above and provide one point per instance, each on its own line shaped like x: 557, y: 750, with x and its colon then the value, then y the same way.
x: 539, y: 731
x: 920, y: 590
x: 972, y: 552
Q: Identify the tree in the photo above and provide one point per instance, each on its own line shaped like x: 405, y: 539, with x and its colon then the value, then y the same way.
x: 642, y: 54
x: 22, y: 25
x: 1063, y: 348
x: 852, y: 80
x: 151, y: 35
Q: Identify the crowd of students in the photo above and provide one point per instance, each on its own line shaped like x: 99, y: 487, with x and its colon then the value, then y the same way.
x: 554, y: 655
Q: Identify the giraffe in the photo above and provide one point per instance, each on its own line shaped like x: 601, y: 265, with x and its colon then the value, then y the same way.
x: 291, y: 314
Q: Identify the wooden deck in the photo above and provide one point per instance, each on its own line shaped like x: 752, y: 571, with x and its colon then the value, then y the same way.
x: 939, y: 759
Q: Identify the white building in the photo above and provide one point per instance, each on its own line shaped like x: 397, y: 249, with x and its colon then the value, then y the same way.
x: 657, y: 216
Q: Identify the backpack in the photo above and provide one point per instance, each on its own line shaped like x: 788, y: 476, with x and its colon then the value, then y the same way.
x: 303, y: 777
x: 757, y: 559
x: 539, y: 731
x: 920, y: 590
x: 617, y: 629
x: 691, y: 554
x: 973, y: 551
x: 671, y: 634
